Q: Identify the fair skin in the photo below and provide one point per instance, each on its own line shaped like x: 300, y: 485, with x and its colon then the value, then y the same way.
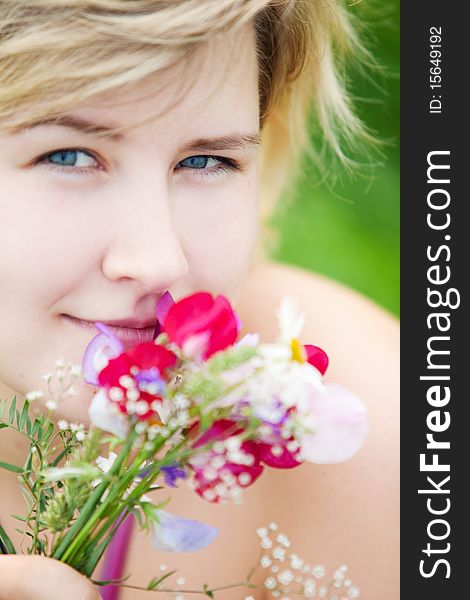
x: 103, y: 237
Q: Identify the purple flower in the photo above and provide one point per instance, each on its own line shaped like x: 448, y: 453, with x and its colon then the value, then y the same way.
x: 172, y: 473
x: 177, y: 534
x: 163, y: 306
x: 149, y: 380
x: 98, y: 353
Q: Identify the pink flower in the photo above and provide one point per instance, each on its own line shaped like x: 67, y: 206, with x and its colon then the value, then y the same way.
x: 201, y: 325
x: 135, y: 380
x: 281, y: 454
x: 230, y: 465
x: 339, y: 423
x: 316, y: 357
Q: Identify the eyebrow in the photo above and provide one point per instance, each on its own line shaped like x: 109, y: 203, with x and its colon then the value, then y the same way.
x: 234, y: 141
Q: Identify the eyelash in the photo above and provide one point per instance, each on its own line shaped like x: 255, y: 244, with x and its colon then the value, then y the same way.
x: 227, y: 164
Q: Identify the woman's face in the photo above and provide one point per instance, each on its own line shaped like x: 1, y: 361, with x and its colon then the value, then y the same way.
x: 98, y: 228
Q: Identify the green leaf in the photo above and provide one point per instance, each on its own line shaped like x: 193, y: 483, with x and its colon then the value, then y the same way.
x: 110, y: 581
x: 9, y: 467
x: 49, y: 432
x: 207, y: 591
x: 6, y: 542
x: 23, y: 416
x: 11, y: 413
x: 29, y: 499
x: 60, y: 456
x: 29, y: 460
x: 20, y: 518
x: 3, y: 425
x: 95, y: 556
x: 138, y: 517
x: 155, y: 582
x: 35, y: 428
x: 3, y: 404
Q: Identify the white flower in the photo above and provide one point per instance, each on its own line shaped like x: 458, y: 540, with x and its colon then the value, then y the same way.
x: 62, y: 424
x: 250, y: 339
x: 163, y: 409
x: 34, y: 395
x: 106, y: 416
x: 287, y: 383
x: 60, y: 473
x: 105, y: 464
x: 291, y: 320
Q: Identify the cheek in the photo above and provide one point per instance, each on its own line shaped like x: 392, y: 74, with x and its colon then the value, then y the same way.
x: 45, y: 248
x: 218, y: 229
x: 43, y: 255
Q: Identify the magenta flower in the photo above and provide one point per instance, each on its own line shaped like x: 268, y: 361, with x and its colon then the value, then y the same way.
x: 230, y: 465
x: 201, y: 325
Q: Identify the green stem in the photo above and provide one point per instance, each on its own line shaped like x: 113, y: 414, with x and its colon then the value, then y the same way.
x: 98, y: 552
x: 201, y: 592
x: 140, y: 489
x: 84, y: 535
x: 84, y: 523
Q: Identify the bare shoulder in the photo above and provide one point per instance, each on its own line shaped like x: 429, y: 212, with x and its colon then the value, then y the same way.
x: 355, y: 332
x: 349, y: 512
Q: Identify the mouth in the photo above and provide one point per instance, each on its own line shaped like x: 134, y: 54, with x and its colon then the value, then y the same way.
x: 129, y: 336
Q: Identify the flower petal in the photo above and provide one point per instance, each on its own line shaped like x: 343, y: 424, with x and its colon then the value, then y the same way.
x: 201, y: 313
x: 103, y: 415
x: 291, y: 320
x: 98, y: 352
x: 317, y: 357
x: 178, y: 534
x: 340, y: 426
x: 163, y: 306
x: 147, y: 355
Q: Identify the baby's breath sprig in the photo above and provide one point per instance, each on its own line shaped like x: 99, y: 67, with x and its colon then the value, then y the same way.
x: 60, y: 383
x: 289, y: 577
x: 47, y: 448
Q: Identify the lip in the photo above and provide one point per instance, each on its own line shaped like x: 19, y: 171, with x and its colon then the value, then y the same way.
x: 125, y: 334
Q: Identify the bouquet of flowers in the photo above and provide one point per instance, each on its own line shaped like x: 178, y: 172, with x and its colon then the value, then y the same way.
x: 195, y: 404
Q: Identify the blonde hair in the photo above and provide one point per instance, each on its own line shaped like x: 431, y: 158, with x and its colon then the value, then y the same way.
x: 54, y: 53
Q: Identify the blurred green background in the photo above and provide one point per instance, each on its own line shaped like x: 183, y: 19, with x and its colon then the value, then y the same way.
x: 349, y: 230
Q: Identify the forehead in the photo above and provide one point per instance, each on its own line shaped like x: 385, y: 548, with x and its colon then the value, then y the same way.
x: 216, y: 84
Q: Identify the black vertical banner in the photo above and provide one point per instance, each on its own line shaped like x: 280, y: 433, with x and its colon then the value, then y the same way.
x: 435, y: 259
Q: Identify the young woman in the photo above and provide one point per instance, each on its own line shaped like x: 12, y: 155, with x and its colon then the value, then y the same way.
x: 141, y: 144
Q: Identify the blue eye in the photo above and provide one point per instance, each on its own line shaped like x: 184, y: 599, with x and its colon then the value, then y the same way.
x: 78, y: 161
x: 198, y: 162
x: 71, y: 158
x: 208, y: 166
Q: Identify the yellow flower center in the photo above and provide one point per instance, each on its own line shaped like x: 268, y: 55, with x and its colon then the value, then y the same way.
x: 298, y: 351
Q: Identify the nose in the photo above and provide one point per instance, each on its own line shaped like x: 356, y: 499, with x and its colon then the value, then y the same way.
x: 145, y: 245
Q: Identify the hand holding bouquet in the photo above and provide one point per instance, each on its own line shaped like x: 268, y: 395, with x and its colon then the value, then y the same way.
x: 195, y: 404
